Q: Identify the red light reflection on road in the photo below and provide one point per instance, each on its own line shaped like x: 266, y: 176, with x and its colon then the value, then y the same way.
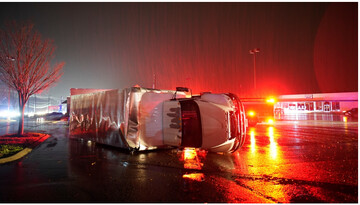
x: 345, y: 119
x: 191, y: 161
x: 263, y: 158
x: 194, y: 176
x: 273, y: 144
x: 189, y: 154
x: 264, y: 141
x: 270, y: 121
x: 252, y: 140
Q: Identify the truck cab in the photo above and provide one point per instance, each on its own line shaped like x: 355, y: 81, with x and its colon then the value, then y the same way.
x: 214, y: 122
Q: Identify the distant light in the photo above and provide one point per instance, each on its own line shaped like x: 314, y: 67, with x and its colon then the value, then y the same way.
x: 251, y: 113
x: 40, y: 113
x: 270, y: 100
x: 270, y: 121
x: 9, y: 114
x: 40, y: 119
x: 345, y: 119
x: 255, y: 50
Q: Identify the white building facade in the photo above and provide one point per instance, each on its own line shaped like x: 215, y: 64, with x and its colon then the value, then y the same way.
x: 314, y: 103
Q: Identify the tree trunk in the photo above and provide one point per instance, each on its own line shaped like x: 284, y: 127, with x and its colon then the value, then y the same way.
x: 21, y: 119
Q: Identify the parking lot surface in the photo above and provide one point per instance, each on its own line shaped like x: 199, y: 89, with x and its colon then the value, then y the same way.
x: 291, y: 161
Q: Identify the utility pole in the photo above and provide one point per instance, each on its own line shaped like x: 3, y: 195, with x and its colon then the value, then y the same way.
x: 253, y: 52
x: 154, y: 81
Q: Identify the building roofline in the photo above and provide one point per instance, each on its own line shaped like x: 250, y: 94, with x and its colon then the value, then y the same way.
x: 341, y: 96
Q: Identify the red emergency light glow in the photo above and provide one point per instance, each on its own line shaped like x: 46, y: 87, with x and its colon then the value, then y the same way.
x: 270, y: 100
x: 345, y: 119
x: 270, y: 121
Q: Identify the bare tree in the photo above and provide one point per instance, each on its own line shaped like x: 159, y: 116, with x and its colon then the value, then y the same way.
x: 25, y: 62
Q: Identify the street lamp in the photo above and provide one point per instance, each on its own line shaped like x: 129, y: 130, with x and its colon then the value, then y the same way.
x: 253, y: 52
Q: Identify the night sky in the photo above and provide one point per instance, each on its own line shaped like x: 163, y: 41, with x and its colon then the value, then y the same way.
x: 304, y: 47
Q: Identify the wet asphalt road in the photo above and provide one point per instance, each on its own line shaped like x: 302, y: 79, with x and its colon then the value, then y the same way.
x: 291, y: 161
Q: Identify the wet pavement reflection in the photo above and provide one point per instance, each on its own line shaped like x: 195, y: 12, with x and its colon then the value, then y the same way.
x: 191, y: 161
x: 315, y: 116
x: 289, y: 161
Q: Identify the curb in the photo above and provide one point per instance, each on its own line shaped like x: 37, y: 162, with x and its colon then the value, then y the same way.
x: 17, y: 156
x: 25, y: 151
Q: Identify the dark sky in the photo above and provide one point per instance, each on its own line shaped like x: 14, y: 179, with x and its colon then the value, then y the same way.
x: 305, y: 47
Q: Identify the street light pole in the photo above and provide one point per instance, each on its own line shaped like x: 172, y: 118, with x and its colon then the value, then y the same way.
x: 154, y: 81
x: 253, y: 52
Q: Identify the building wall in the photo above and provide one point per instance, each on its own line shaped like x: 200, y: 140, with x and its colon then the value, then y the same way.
x: 312, y: 103
x: 348, y: 105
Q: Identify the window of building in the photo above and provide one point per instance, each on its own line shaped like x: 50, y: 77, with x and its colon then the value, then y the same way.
x: 327, y: 106
x: 285, y: 105
x: 319, y: 106
x: 301, y: 106
x: 292, y: 106
x: 311, y: 106
x: 335, y: 106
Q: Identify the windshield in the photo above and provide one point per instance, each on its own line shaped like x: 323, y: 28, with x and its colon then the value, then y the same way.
x: 191, y: 124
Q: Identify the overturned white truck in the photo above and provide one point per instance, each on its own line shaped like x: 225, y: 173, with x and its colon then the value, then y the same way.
x: 144, y: 119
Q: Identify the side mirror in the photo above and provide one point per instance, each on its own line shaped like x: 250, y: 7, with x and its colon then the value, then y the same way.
x: 183, y: 89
